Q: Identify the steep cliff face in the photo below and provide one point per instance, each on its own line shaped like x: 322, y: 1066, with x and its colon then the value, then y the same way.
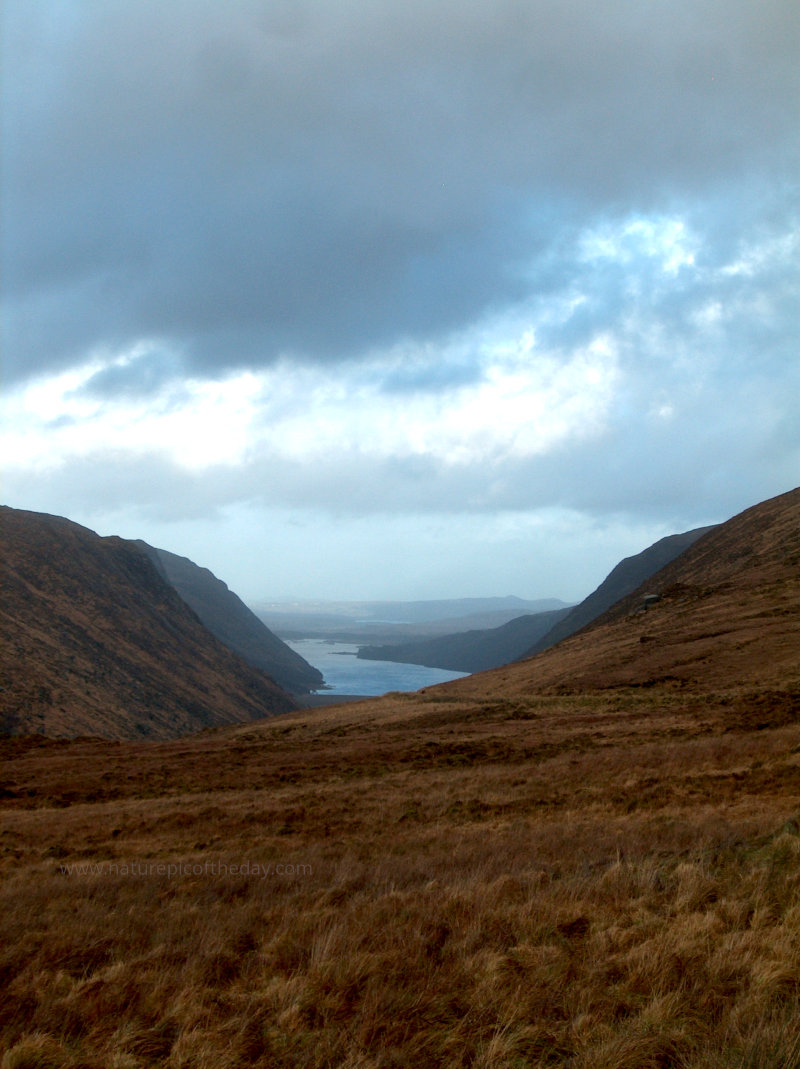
x: 229, y: 619
x: 96, y: 642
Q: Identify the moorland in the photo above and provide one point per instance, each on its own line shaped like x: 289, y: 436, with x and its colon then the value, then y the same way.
x: 590, y: 859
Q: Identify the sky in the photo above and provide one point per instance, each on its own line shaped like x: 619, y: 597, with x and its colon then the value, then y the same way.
x: 383, y: 299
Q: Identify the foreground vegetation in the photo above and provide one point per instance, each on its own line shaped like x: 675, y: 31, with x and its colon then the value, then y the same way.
x: 607, y: 880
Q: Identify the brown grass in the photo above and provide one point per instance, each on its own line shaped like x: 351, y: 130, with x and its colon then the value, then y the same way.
x: 598, y: 880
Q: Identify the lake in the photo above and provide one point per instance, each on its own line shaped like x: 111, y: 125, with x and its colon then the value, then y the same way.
x: 346, y: 674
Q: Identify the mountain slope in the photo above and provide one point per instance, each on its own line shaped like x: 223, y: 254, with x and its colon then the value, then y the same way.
x: 96, y: 642
x: 471, y: 651
x: 620, y: 581
x: 728, y: 620
x: 230, y: 620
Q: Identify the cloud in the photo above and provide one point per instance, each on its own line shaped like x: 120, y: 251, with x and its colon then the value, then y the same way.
x: 665, y: 379
x: 322, y: 181
x: 403, y: 273
x: 593, y: 435
x: 141, y: 373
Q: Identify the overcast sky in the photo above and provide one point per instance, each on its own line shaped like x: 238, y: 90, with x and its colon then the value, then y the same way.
x: 400, y: 298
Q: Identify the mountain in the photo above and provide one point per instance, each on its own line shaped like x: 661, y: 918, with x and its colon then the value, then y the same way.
x: 621, y: 580
x: 230, y: 620
x: 474, y: 650
x: 452, y: 608
x: 727, y: 618
x: 96, y: 642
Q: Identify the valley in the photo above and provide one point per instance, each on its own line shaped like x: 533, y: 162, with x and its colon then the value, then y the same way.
x: 589, y: 858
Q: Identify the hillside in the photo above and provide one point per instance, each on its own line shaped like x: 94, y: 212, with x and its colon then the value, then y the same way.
x: 96, y: 642
x: 624, y: 578
x: 229, y: 619
x: 586, y: 859
x: 728, y: 617
x: 470, y: 651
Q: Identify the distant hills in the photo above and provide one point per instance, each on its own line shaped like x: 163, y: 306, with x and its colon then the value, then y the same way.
x: 477, y: 650
x: 472, y: 650
x: 226, y: 616
x: 95, y: 641
x: 395, y: 621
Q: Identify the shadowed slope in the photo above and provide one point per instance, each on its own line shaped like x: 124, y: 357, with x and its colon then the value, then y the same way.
x: 470, y: 651
x: 229, y: 619
x: 628, y: 575
x: 477, y: 651
x: 96, y: 642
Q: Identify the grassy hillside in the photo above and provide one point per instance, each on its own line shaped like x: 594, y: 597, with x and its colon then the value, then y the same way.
x: 624, y: 578
x: 96, y: 642
x: 602, y: 883
x: 522, y: 868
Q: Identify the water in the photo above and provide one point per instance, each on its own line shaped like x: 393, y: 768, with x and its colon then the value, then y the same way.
x: 346, y: 674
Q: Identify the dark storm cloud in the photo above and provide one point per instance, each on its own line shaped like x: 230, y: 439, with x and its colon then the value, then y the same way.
x: 318, y: 179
